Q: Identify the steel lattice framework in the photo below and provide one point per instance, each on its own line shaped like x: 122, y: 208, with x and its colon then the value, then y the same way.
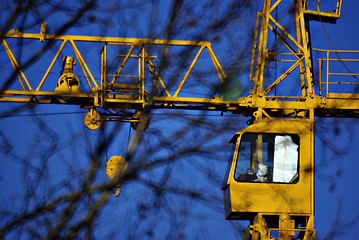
x: 267, y: 100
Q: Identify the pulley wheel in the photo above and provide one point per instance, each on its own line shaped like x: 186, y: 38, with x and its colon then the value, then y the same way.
x: 92, y: 120
x: 143, y: 122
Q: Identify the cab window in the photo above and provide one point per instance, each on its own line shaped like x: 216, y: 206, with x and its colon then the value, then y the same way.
x: 268, y: 157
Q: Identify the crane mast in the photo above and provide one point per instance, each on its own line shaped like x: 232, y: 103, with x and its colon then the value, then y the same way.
x: 270, y: 180
x: 282, y: 106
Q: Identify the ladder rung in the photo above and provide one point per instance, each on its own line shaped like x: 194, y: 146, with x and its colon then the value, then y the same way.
x: 122, y: 96
x: 123, y: 86
x: 115, y: 75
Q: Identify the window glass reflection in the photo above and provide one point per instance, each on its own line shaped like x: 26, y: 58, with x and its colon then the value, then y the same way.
x: 268, y: 157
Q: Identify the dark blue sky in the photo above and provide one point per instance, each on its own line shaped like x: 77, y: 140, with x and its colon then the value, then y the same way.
x: 336, y: 152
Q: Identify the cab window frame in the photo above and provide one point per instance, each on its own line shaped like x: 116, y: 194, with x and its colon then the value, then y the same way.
x: 250, y: 171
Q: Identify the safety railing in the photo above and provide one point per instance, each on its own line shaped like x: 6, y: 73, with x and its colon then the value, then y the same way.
x: 323, y: 12
x: 336, y: 74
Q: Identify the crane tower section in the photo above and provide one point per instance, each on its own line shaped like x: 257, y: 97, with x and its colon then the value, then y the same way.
x: 287, y: 80
x: 270, y: 177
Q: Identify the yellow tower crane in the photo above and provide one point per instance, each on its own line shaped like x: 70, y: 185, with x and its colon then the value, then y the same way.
x: 270, y: 178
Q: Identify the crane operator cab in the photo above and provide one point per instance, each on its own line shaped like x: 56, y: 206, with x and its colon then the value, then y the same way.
x: 270, y: 178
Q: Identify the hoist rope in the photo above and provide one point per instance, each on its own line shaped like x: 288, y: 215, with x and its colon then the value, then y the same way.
x: 104, y: 141
x: 38, y: 114
x: 128, y: 141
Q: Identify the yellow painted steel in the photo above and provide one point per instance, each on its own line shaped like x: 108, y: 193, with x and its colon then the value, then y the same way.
x: 105, y: 94
x: 116, y: 168
x: 270, y: 206
x: 92, y: 120
x: 51, y: 65
x: 244, y: 200
x: 188, y: 72
x: 68, y: 81
x: 273, y: 206
x: 16, y: 66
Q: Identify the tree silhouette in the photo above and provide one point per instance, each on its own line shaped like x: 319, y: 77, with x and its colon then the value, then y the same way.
x: 52, y: 168
x: 53, y: 171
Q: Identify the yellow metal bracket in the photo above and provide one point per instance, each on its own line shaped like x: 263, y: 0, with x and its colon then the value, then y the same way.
x: 43, y: 31
x: 260, y: 230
